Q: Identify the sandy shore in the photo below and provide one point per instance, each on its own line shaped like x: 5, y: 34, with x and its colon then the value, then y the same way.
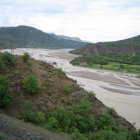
x: 115, y: 89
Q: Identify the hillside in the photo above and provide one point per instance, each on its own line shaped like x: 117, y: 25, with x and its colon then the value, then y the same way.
x: 67, y: 37
x: 131, y: 45
x: 38, y: 93
x: 25, y: 36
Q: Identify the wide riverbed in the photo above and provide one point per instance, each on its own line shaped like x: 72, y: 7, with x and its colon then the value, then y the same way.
x: 118, y: 90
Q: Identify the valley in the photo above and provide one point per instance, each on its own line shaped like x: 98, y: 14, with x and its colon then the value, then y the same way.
x: 115, y: 89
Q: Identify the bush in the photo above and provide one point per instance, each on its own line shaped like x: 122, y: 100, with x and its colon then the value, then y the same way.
x: 2, y: 67
x: 27, y: 106
x: 31, y: 84
x: 5, y: 94
x: 47, y: 84
x: 2, y: 136
x: 52, y: 124
x: 60, y: 72
x: 8, y: 59
x: 49, y: 92
x: 26, y: 57
x: 78, y: 117
x: 104, y: 122
x: 112, y: 111
x: 29, y: 63
x: 67, y: 89
x: 108, y: 135
x: 63, y: 100
x: 30, y: 116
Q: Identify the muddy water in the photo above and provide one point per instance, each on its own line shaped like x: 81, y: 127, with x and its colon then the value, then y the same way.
x: 118, y: 90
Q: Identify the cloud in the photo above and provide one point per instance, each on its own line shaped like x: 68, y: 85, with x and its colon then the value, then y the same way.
x: 93, y: 20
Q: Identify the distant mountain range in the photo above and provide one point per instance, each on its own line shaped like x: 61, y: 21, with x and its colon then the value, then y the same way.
x: 67, y: 37
x: 130, y: 45
x: 25, y: 36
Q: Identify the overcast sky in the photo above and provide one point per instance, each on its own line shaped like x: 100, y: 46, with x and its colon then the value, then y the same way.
x: 92, y: 20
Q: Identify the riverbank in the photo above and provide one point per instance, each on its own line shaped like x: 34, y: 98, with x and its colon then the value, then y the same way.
x: 103, y: 83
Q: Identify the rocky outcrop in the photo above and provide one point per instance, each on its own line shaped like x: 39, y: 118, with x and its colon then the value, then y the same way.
x: 18, y: 130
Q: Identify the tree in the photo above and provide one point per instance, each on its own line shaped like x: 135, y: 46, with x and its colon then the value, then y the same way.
x: 5, y: 94
x: 31, y: 84
x: 8, y: 59
x: 26, y: 57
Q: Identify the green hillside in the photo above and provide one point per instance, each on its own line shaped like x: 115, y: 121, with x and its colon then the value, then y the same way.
x: 24, y: 36
x: 127, y: 46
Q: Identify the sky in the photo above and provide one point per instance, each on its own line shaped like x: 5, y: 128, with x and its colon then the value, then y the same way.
x: 91, y: 20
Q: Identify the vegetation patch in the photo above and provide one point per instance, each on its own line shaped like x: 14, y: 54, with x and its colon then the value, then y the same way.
x: 2, y: 136
x: 7, y: 59
x: 112, y: 61
x: 5, y: 94
x: 26, y: 57
x: 2, y: 67
x: 60, y: 72
x: 67, y: 89
x: 31, y: 85
x: 80, y: 123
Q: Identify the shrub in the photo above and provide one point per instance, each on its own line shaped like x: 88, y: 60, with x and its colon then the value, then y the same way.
x: 5, y: 94
x: 29, y: 63
x: 47, y: 84
x: 92, y: 93
x: 49, y: 92
x: 67, y: 89
x: 54, y: 63
x: 15, y: 73
x: 2, y: 67
x: 8, y: 59
x: 41, y: 105
x: 135, y: 135
x: 77, y: 135
x: 60, y: 72
x: 39, y: 118
x: 52, y: 124
x: 30, y: 116
x: 63, y: 100
x: 77, y: 117
x: 27, y: 106
x: 26, y: 57
x: 104, y: 122
x: 31, y: 84
x: 108, y: 135
x: 2, y: 136
x: 112, y: 111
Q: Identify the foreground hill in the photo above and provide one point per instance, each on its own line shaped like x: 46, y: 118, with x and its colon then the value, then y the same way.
x: 25, y: 36
x: 131, y: 45
x: 37, y: 92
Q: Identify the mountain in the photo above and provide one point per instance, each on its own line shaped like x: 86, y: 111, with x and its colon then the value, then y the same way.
x: 25, y: 36
x: 67, y: 37
x: 130, y: 45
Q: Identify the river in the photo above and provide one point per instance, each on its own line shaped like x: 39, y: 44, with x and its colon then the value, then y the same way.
x: 115, y: 89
